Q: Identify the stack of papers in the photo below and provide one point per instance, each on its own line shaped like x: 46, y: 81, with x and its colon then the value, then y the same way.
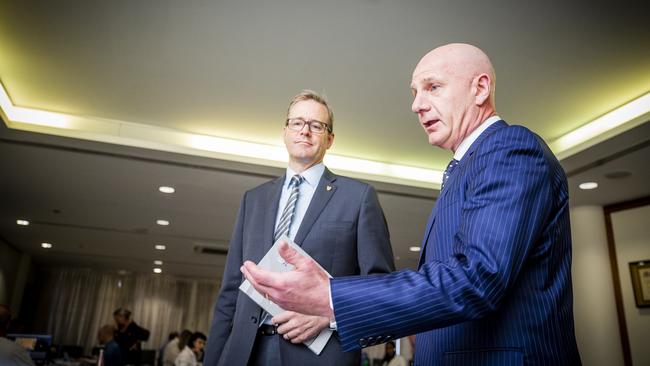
x: 272, y: 261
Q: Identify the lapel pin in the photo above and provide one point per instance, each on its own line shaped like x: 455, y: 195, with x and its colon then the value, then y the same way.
x: 329, y: 188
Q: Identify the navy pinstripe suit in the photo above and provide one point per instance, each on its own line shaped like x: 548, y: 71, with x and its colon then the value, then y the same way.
x: 493, y: 285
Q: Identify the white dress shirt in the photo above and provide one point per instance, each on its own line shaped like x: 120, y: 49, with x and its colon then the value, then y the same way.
x: 469, y: 140
x: 186, y: 358
x: 307, y: 188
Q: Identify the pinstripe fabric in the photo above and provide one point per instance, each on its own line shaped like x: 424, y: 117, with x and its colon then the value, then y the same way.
x: 494, y: 282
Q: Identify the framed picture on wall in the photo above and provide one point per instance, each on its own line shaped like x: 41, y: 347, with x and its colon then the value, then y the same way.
x: 640, y: 273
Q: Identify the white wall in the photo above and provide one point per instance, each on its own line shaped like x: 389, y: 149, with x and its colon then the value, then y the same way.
x: 632, y: 237
x: 594, y: 305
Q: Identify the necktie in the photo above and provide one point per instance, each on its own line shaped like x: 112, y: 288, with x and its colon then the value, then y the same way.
x: 285, y: 220
x: 284, y: 224
x: 450, y: 168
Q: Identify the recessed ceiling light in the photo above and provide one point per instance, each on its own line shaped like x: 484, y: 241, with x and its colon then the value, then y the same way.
x: 166, y: 189
x: 162, y: 222
x: 414, y: 249
x: 22, y: 222
x: 157, y: 270
x: 588, y: 185
x: 46, y: 245
x: 158, y: 263
x: 160, y: 247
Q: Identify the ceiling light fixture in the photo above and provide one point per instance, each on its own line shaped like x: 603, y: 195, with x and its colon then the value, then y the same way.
x: 164, y: 139
x: 162, y: 222
x: 127, y: 133
x: 414, y: 249
x: 160, y: 247
x: 597, y: 130
x: 46, y: 245
x: 166, y: 189
x: 22, y: 222
x: 157, y: 270
x: 588, y: 185
x: 158, y: 263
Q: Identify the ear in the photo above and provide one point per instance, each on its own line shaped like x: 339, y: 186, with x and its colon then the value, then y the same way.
x: 482, y: 88
x: 330, y: 139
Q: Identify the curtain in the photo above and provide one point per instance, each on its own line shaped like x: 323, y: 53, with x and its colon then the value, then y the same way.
x: 75, y: 303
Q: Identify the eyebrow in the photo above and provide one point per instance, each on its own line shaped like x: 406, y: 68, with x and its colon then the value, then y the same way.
x: 427, y: 80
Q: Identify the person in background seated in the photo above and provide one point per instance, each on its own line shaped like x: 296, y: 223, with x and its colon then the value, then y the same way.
x: 112, y: 353
x: 390, y: 358
x: 187, y: 357
x: 173, y: 348
x: 11, y: 354
x: 129, y: 336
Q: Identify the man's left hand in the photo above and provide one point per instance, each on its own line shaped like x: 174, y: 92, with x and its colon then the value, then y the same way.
x: 297, y: 328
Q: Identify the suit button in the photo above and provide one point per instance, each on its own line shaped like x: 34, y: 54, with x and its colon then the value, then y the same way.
x: 254, y: 319
x: 363, y: 342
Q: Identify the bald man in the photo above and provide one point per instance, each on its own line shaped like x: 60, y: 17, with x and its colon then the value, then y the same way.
x: 493, y: 286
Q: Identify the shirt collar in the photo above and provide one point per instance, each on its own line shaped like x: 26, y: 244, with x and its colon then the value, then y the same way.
x: 467, y: 142
x: 311, y: 175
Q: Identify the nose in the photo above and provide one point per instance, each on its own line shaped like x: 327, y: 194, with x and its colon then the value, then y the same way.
x: 305, y: 130
x: 419, y: 104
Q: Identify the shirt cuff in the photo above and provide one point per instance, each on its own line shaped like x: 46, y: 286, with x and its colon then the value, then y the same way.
x: 333, y: 320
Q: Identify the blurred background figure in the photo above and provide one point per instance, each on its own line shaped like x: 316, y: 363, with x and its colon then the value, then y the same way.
x: 390, y: 358
x: 129, y: 336
x: 11, y: 354
x: 171, y: 349
x: 194, y: 346
x: 112, y: 354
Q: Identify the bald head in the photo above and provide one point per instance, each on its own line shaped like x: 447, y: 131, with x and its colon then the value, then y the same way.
x: 453, y: 89
x: 458, y: 59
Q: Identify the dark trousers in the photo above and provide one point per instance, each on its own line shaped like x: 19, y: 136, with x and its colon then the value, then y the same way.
x: 266, y: 351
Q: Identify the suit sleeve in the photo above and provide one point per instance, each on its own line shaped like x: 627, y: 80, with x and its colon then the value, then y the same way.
x: 224, y: 308
x: 507, y: 202
x: 374, y: 252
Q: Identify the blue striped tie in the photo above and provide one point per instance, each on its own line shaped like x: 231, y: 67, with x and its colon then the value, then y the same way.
x: 450, y: 168
x: 289, y: 209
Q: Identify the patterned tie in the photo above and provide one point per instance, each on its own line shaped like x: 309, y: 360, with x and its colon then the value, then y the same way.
x: 283, y: 226
x: 450, y: 168
x: 289, y: 209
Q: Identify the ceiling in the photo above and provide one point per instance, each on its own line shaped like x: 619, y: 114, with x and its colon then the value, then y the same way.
x: 228, y: 69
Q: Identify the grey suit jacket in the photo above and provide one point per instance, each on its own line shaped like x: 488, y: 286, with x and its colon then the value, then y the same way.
x: 344, y: 230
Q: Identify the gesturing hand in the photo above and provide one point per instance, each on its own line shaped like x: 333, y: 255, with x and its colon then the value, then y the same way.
x: 304, y: 290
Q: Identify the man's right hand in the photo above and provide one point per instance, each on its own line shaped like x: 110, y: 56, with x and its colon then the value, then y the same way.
x: 305, y: 289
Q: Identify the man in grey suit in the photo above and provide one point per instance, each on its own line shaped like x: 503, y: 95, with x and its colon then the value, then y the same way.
x: 337, y: 220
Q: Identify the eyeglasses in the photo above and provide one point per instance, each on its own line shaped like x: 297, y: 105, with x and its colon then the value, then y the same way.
x: 297, y: 124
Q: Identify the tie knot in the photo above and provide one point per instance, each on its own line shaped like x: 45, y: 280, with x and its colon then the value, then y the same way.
x: 296, y: 180
x: 452, y: 164
x: 445, y: 175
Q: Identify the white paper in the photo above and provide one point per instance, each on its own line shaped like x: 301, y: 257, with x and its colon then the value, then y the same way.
x: 272, y: 261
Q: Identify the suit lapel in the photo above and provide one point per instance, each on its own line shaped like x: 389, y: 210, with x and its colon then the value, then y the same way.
x: 273, y: 199
x: 324, y: 191
x: 427, y: 232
